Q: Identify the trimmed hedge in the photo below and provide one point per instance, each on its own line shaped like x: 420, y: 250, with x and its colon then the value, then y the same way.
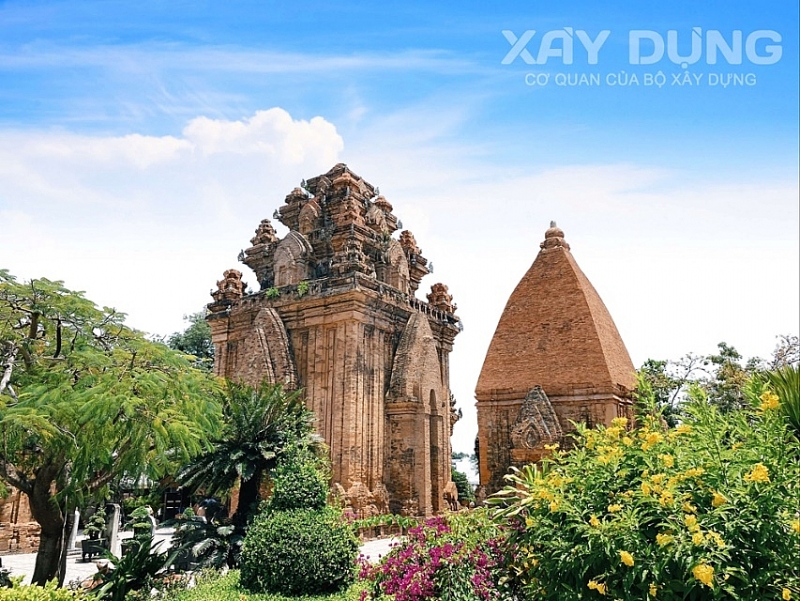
x: 299, y: 552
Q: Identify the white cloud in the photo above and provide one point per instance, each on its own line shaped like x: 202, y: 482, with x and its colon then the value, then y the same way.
x: 148, y: 224
x: 153, y: 57
x: 273, y: 133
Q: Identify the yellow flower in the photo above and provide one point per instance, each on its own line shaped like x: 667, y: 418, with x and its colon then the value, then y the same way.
x: 597, y: 586
x: 698, y: 538
x: 717, y: 539
x: 718, y: 500
x: 705, y: 574
x: 627, y: 441
x: 668, y: 459
x: 553, y: 505
x: 695, y: 472
x: 651, y: 439
x: 551, y: 447
x: 646, y: 490
x: 796, y: 526
x: 626, y: 558
x: 759, y: 473
x: 593, y: 521
x: 689, y: 508
x: 666, y: 498
x: 769, y: 400
x: 683, y: 429
x: 786, y: 594
x: 690, y: 521
x: 619, y: 422
x: 614, y: 508
x: 653, y: 590
x: 664, y: 539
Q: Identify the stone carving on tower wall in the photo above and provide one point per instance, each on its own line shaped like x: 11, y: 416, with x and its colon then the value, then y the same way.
x: 536, y: 426
x: 292, y: 259
x: 441, y: 299
x: 335, y: 316
x: 229, y: 289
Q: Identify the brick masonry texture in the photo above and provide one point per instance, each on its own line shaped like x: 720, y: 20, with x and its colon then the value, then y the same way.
x: 19, y: 533
x: 555, y: 333
x: 336, y: 316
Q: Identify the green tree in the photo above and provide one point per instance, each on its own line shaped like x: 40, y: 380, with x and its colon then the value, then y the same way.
x: 260, y: 423
x: 195, y: 340
x: 662, y: 385
x: 727, y: 377
x: 85, y: 400
x: 722, y: 376
x: 465, y: 492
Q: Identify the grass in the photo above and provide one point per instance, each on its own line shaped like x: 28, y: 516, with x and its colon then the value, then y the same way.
x: 226, y: 588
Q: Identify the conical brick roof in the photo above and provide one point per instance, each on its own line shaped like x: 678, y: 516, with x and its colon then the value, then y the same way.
x: 555, y: 332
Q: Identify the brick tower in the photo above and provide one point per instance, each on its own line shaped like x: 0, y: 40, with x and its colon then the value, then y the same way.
x: 556, y: 356
x: 337, y: 317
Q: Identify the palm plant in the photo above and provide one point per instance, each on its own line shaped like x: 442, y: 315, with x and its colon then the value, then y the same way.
x: 131, y: 572
x: 201, y: 544
x: 259, y: 424
x: 785, y: 381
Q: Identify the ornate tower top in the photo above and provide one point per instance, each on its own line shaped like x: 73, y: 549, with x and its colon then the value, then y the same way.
x: 555, y: 332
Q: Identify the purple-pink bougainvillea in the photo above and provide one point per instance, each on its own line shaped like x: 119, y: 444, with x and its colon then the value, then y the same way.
x: 437, y: 561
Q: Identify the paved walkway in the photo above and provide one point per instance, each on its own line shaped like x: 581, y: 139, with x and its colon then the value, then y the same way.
x: 23, y: 563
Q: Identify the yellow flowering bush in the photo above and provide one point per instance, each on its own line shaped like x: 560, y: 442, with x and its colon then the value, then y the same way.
x: 706, y: 510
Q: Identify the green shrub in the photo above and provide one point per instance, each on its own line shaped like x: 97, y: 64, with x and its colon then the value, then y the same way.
x: 707, y: 510
x: 96, y: 525
x: 298, y: 483
x: 49, y: 592
x: 299, y: 552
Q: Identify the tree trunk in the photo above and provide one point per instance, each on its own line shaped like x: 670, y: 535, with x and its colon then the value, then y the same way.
x: 46, y: 511
x: 66, y: 532
x: 249, y: 496
x: 48, y: 558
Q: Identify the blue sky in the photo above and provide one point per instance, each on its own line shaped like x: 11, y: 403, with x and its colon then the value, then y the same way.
x: 141, y: 143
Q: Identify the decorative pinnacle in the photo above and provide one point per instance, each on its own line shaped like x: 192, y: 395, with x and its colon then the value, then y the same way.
x: 553, y: 238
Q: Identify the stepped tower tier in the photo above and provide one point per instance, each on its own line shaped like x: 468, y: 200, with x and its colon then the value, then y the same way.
x: 336, y: 316
x: 556, y: 336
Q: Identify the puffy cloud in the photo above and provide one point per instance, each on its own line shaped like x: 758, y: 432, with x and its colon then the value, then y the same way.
x: 272, y: 132
x: 133, y: 219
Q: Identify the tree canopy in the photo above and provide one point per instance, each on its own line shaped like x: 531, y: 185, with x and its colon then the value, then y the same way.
x: 722, y: 376
x: 85, y: 399
x: 195, y: 340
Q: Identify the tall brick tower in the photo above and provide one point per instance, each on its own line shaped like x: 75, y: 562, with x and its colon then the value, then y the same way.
x: 337, y: 317
x: 556, y: 356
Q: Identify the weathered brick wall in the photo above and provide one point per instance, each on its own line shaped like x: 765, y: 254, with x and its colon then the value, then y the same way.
x: 349, y: 334
x: 19, y: 533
